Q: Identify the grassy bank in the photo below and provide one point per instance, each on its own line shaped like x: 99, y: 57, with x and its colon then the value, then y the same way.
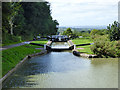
x: 13, y: 56
x: 83, y: 49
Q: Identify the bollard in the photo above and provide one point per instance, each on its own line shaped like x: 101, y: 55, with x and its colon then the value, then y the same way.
x: 74, y: 47
x: 45, y: 46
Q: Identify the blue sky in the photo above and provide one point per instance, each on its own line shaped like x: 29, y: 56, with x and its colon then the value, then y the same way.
x: 84, y: 12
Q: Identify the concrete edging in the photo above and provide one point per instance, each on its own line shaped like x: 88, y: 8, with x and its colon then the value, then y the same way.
x: 49, y: 43
x: 20, y: 63
x: 75, y: 52
x: 71, y: 44
x: 48, y: 46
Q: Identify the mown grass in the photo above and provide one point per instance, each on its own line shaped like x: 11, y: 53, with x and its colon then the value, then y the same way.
x: 40, y: 42
x: 11, y: 57
x: 86, y: 49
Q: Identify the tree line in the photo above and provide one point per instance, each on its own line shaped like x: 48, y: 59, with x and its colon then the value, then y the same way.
x: 24, y: 20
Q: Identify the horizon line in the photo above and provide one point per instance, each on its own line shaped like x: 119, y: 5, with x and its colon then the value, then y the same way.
x: 83, y: 25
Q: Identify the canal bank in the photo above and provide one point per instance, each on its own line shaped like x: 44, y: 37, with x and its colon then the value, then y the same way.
x: 20, y: 63
x: 77, y: 53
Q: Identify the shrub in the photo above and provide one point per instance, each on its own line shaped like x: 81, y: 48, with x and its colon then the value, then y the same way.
x: 103, y: 47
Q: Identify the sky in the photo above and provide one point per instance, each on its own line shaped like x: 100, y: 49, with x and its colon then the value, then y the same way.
x: 84, y: 12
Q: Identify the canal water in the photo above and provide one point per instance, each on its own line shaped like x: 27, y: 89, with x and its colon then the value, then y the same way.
x: 59, y: 45
x: 64, y: 70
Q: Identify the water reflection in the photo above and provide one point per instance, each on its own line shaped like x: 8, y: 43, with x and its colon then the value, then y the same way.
x: 64, y: 70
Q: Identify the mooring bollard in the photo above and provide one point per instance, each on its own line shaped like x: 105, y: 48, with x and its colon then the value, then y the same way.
x: 74, y: 46
x: 45, y: 46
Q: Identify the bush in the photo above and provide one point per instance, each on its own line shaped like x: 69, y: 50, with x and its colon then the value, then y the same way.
x: 103, y: 47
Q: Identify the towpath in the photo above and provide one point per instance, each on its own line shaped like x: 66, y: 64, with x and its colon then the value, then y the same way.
x: 14, y: 45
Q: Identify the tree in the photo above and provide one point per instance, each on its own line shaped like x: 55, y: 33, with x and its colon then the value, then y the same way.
x: 94, y: 32
x: 26, y: 20
x: 19, y: 23
x: 68, y: 32
x: 38, y: 18
x: 114, y: 31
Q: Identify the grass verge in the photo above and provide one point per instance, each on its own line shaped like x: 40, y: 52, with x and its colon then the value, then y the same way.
x: 86, y: 49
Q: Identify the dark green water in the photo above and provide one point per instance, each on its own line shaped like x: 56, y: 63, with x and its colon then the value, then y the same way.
x: 64, y: 70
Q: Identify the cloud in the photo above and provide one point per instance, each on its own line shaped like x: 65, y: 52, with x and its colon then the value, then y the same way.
x: 84, y: 12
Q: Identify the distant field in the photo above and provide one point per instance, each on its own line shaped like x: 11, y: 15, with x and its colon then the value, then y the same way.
x: 82, y: 28
x: 83, y: 49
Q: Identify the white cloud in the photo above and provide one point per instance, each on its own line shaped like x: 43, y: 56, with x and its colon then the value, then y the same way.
x: 84, y: 12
